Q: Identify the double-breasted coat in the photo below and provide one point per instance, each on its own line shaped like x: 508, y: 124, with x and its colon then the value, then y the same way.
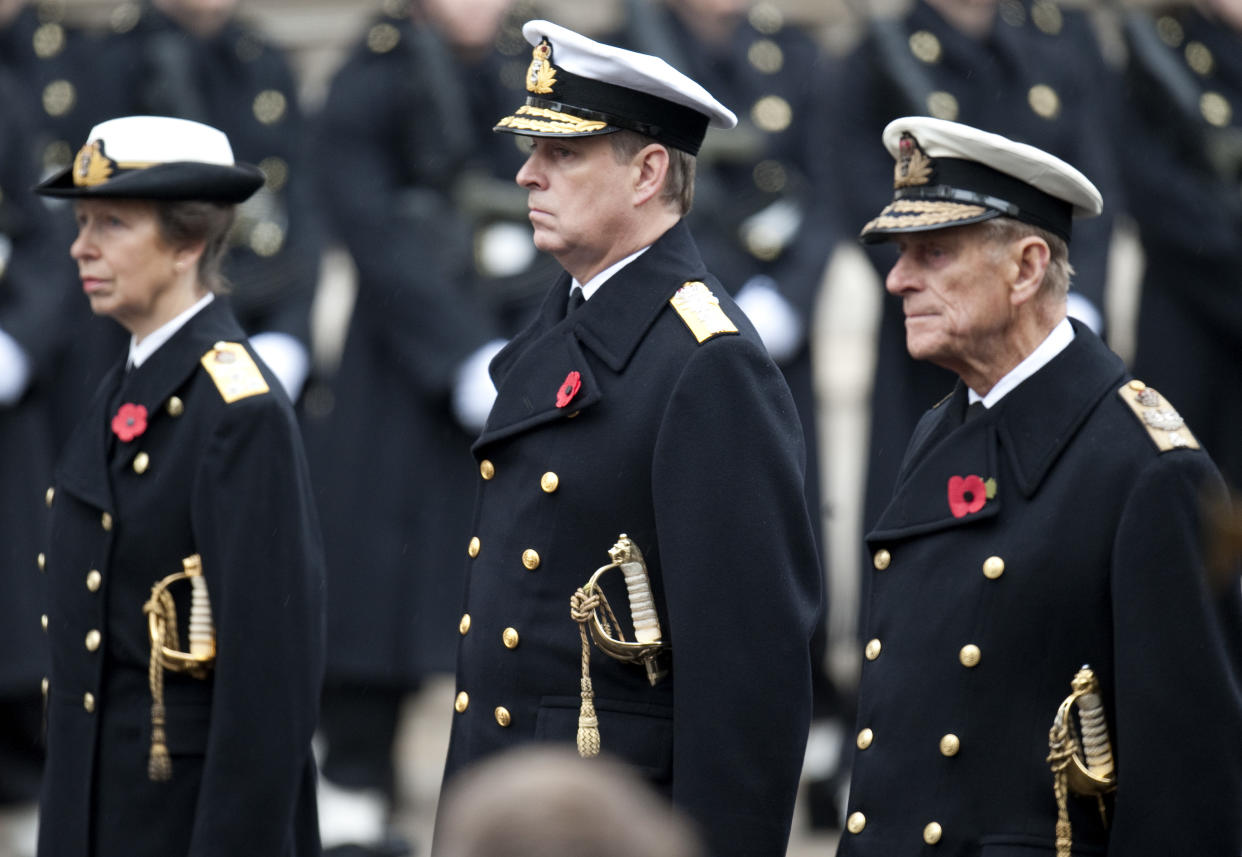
x: 226, y: 480
x: 982, y: 608
x: 616, y: 419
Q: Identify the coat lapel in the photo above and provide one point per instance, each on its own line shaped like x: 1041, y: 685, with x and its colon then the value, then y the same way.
x: 83, y: 466
x: 1026, y: 432
x: 537, y: 365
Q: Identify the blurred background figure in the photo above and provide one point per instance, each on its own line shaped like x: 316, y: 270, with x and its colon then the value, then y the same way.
x: 58, y: 93
x: 762, y: 216
x: 34, y: 288
x: 1181, y: 152
x: 196, y: 59
x: 421, y: 193
x: 547, y: 802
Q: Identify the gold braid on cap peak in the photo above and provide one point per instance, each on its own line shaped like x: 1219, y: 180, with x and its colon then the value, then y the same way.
x: 923, y: 212
x: 549, y: 121
x: 540, y: 74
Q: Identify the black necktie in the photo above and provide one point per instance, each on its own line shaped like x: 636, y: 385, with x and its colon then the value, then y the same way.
x: 975, y: 409
x: 576, y: 299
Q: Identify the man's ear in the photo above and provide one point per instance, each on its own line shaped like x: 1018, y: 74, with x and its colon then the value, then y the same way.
x: 1031, y: 255
x: 651, y: 168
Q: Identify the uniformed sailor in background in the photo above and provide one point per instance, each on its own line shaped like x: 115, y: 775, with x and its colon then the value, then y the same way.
x: 1031, y: 71
x: 763, y: 214
x: 1181, y: 150
x: 1054, y: 523
x: 60, y: 96
x: 32, y: 299
x: 164, y: 739
x: 446, y: 271
x: 198, y: 60
x: 641, y: 403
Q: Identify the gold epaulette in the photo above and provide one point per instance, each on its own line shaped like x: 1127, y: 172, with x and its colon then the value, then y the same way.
x: 700, y: 310
x: 236, y: 374
x: 1163, y: 422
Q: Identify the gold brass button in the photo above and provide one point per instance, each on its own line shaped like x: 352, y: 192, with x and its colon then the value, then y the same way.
x: 502, y: 715
x: 1137, y: 386
x: 462, y: 702
x: 932, y: 833
x: 969, y: 655
x: 486, y: 469
x: 873, y: 649
x: 881, y: 559
x: 46, y: 685
x: 175, y: 407
x: 43, y: 621
x: 88, y: 701
x: 865, y: 738
x: 475, y: 544
x: 141, y: 462
x: 93, y: 580
x: 510, y: 638
x: 530, y: 558
x: 856, y: 822
x: 105, y: 521
x: 41, y: 560
x: 49, y: 495
x: 993, y: 567
x: 549, y: 482
x: 464, y: 625
x: 950, y: 744
x: 92, y: 640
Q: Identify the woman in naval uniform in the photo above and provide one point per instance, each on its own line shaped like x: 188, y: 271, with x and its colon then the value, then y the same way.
x: 163, y: 742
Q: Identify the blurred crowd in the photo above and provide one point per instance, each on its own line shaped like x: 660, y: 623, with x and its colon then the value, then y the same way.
x: 398, y: 166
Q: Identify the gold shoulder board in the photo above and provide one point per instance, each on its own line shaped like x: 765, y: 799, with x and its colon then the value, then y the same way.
x: 1164, y: 424
x: 700, y: 310
x: 233, y: 369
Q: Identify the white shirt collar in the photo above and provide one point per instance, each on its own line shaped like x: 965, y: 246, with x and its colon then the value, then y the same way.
x: 1054, y: 343
x: 139, y: 352
x: 592, y: 286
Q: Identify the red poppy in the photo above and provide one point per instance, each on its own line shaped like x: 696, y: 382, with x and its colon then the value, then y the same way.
x: 130, y: 421
x: 967, y: 494
x: 568, y: 389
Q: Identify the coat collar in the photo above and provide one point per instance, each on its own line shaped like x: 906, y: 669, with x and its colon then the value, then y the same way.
x: 83, y: 468
x: 530, y: 370
x: 1028, y: 430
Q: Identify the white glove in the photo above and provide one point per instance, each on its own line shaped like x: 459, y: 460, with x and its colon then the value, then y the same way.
x: 14, y: 370
x: 286, y: 357
x: 778, y: 324
x: 474, y: 392
x: 1082, y: 309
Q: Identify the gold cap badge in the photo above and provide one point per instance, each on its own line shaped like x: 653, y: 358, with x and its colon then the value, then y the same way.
x: 91, y: 166
x: 540, y: 75
x: 912, y: 167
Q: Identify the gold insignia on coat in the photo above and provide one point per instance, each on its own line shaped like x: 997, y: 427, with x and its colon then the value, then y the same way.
x: 913, y: 167
x: 700, y: 310
x: 540, y: 75
x: 236, y: 374
x: 1164, y: 424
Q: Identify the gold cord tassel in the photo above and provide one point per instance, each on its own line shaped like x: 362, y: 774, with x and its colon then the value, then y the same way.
x: 159, y: 764
x: 588, y: 723
x: 1059, y: 759
x: 581, y: 606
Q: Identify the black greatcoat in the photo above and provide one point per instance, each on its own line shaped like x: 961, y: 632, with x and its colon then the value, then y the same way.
x: 1099, y: 534
x: 694, y: 451
x: 227, y: 481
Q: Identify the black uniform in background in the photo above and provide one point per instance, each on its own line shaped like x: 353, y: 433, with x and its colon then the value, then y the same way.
x: 239, y: 83
x: 421, y: 193
x: 1181, y: 150
x: 61, y: 93
x: 226, y: 480
x: 35, y: 286
x: 1037, y: 77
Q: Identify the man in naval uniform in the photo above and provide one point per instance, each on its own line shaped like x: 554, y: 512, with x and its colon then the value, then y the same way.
x: 649, y: 408
x: 1055, y: 523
